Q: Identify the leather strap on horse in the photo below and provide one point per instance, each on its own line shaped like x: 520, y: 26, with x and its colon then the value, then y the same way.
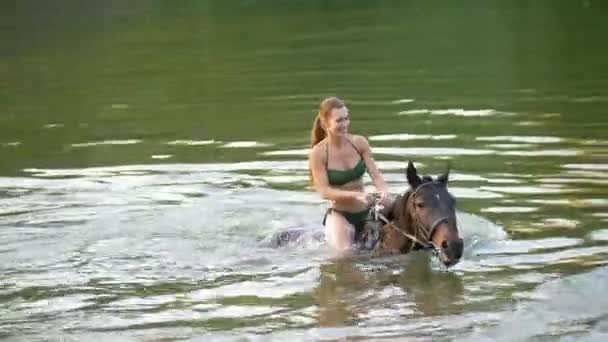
x: 429, y: 245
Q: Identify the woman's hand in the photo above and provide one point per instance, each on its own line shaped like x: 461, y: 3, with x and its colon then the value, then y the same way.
x: 363, y: 199
x: 385, y: 198
x: 368, y: 199
x: 381, y: 199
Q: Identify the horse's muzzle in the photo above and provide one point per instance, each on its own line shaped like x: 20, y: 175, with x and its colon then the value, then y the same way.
x: 451, y: 252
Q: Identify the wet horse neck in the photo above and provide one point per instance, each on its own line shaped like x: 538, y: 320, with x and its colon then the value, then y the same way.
x: 403, y: 220
x: 400, y: 215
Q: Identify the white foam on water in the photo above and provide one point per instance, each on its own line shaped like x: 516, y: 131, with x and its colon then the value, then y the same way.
x: 402, y: 101
x: 192, y: 142
x: 414, y: 111
x: 161, y: 156
x: 552, y: 201
x: 509, y: 146
x: 527, y: 189
x: 395, y: 165
x: 557, y: 222
x: 542, y: 153
x: 593, y: 142
x: 599, y: 235
x: 166, y: 168
x: 406, y: 136
x: 431, y: 151
x: 573, y: 180
x: 479, y: 228
x: 452, y: 111
x: 244, y: 144
x: 589, y: 167
x: 522, y: 139
x: 456, y: 176
x: 504, y: 181
x: 463, y: 192
x: 463, y: 112
x: 53, y: 125
x: 108, y: 142
x: 509, y: 209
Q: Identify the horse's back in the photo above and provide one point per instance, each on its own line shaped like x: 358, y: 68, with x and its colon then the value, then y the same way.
x: 295, y: 236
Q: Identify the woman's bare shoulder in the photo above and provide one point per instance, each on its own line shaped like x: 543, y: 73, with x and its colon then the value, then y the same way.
x: 360, y: 141
x: 317, y: 151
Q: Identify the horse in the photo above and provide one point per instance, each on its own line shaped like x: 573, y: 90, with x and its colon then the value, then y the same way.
x: 422, y: 218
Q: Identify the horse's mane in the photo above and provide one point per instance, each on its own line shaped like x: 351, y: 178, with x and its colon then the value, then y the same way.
x: 396, y: 211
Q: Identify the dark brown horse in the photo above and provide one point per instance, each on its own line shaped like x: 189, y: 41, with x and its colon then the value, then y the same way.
x: 424, y: 217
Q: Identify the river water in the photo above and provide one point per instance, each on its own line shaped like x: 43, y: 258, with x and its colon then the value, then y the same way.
x: 150, y: 149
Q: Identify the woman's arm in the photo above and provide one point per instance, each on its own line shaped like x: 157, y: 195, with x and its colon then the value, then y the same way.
x: 321, y: 184
x: 372, y: 169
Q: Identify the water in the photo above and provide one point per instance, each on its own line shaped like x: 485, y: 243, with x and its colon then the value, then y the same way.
x: 150, y: 149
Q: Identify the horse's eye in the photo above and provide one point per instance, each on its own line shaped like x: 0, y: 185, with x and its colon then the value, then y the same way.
x: 420, y: 205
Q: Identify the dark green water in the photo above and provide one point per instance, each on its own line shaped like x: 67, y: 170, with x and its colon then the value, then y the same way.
x: 148, y: 148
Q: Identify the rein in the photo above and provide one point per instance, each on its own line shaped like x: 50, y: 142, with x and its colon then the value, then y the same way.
x: 428, y: 233
x: 426, y: 245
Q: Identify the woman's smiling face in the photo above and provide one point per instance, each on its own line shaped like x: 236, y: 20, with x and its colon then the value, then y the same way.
x: 338, y: 122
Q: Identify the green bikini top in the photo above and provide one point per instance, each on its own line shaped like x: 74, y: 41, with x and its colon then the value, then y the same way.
x: 341, y: 177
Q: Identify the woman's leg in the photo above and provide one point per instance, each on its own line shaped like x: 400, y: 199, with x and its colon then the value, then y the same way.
x: 340, y: 234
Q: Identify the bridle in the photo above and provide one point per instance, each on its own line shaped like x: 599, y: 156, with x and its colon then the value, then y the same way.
x: 422, y: 235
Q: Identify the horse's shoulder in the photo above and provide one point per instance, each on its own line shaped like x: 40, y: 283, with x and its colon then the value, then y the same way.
x: 392, y: 240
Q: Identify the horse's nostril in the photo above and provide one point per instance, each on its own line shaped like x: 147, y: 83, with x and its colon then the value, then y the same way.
x: 458, y: 250
x: 444, y: 244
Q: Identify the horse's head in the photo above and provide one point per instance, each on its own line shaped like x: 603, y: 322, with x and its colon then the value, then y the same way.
x: 432, y: 214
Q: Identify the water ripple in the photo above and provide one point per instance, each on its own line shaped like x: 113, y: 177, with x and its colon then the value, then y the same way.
x: 523, y: 139
x: 452, y: 111
x: 108, y: 142
x: 192, y: 142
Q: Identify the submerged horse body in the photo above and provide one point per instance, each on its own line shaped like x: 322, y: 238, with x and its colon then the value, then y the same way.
x: 424, y: 217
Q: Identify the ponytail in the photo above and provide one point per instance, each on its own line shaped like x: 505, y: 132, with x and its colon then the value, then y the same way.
x: 317, y: 133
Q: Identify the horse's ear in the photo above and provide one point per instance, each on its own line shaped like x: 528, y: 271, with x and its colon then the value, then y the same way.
x: 412, y: 175
x: 445, y: 176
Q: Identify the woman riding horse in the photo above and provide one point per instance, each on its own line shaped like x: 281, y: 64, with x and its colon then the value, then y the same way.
x: 423, y: 217
x: 337, y: 162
